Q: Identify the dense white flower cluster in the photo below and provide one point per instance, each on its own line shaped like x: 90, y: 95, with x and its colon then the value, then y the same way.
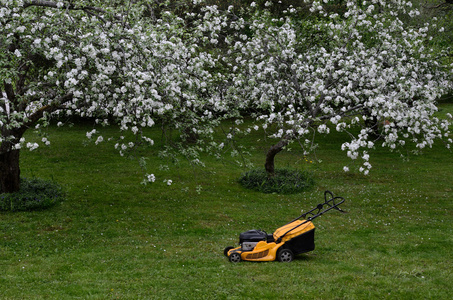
x: 135, y: 74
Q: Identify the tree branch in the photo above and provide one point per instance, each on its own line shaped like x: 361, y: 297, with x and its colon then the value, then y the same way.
x: 47, y: 108
x: 439, y: 5
x: 9, y: 90
x: 90, y: 10
x: 51, y: 4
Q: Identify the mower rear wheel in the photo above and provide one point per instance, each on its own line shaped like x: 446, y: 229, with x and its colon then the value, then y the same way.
x: 285, y: 255
x: 225, y: 252
x: 235, y: 257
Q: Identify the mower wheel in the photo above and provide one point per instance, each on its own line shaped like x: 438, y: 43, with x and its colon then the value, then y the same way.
x: 285, y: 255
x: 235, y: 257
x: 225, y: 252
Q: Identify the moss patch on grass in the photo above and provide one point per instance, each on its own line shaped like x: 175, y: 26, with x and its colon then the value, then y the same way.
x: 284, y: 181
x: 34, y: 194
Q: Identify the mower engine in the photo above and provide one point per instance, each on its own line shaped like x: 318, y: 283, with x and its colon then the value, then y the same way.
x: 250, y: 238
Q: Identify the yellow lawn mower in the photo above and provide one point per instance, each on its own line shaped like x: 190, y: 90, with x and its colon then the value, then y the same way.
x: 296, y: 237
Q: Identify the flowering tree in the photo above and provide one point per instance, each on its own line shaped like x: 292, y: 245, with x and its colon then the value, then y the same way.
x: 363, y: 69
x: 109, y: 63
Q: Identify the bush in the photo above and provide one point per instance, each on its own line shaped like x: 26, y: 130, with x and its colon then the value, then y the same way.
x: 34, y: 194
x: 284, y: 181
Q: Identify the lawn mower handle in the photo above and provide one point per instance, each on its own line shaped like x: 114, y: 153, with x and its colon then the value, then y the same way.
x: 331, y: 205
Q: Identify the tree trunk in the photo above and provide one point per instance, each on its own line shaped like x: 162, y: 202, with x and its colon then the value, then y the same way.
x: 270, y: 156
x: 9, y: 171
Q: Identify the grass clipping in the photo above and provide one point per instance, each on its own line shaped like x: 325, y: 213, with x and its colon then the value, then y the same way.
x: 34, y: 194
x: 284, y: 181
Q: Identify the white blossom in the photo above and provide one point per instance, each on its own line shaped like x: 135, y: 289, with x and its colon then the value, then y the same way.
x: 89, y: 134
x: 32, y: 146
x: 99, y: 140
x: 150, y: 177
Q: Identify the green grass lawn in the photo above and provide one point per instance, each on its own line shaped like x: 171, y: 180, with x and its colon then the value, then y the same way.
x: 113, y: 238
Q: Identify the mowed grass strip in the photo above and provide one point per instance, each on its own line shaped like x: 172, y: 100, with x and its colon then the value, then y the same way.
x: 114, y: 238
